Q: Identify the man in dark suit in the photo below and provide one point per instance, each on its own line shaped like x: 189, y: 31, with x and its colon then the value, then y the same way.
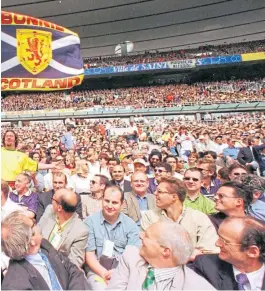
x: 45, y: 198
x: 249, y: 156
x: 240, y: 264
x: 34, y: 263
x: 118, y: 174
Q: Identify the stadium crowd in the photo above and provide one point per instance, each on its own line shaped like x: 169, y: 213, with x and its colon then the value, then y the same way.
x: 75, y: 196
x: 156, y: 56
x: 242, y: 91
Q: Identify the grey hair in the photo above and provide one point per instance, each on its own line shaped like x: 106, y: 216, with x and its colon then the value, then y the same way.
x: 175, y: 237
x: 15, y: 236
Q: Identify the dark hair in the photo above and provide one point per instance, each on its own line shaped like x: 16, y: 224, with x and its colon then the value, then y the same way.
x: 155, y: 153
x: 115, y: 159
x: 103, y: 180
x: 240, y: 191
x: 175, y: 186
x: 254, y: 234
x: 68, y: 207
x: 212, y: 153
x: 166, y: 166
x: 104, y: 156
x: 5, y: 188
x: 236, y: 166
x: 218, y: 136
x: 170, y: 156
x: 224, y: 173
x: 194, y: 169
x: 16, y: 137
x: 114, y: 187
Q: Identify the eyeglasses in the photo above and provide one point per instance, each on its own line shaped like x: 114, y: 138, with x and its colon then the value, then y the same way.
x: 159, y: 171
x: 190, y: 178
x: 158, y: 191
x: 154, y: 159
x: 228, y: 243
x: 240, y: 174
x: 55, y: 201
x: 201, y: 169
x: 222, y: 196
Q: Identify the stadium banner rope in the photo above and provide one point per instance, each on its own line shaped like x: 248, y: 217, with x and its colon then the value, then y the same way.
x: 38, y: 55
x: 253, y: 56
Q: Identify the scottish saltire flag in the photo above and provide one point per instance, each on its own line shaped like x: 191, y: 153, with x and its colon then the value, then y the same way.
x: 38, y: 55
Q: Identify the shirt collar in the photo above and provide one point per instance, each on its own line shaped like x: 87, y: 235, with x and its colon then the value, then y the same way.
x: 102, y: 219
x: 163, y: 212
x: 28, y: 193
x: 162, y: 274
x: 255, y: 278
x: 63, y: 225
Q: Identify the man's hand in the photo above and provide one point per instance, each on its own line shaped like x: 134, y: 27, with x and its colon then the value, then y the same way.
x: 107, y: 275
x: 58, y: 165
x: 195, y: 253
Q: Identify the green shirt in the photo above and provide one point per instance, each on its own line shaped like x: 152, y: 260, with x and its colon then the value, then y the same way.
x: 201, y: 203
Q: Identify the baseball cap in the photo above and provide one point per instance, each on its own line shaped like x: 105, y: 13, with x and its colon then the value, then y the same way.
x: 140, y: 161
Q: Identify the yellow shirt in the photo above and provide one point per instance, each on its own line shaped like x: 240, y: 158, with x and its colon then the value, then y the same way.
x: 55, y: 235
x: 15, y: 162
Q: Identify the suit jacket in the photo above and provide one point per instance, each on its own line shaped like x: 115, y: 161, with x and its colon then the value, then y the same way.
x: 132, y: 208
x: 245, y: 155
x: 132, y: 269
x: 74, y: 235
x: 27, y: 276
x: 217, y: 272
x: 45, y: 199
x: 152, y: 186
x: 127, y: 185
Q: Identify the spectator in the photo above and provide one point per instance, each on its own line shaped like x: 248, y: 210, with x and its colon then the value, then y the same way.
x: 142, y: 269
x: 242, y: 242
x: 194, y: 199
x: 237, y: 172
x: 67, y: 141
x: 31, y: 255
x: 161, y: 170
x: 118, y: 175
x: 23, y: 196
x: 138, y: 199
x: 81, y: 180
x: 170, y: 195
x: 63, y: 228
x: 111, y: 226
x: 231, y: 199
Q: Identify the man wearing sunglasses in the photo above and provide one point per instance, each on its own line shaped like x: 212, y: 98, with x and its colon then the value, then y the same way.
x: 237, y: 172
x: 231, y: 200
x: 34, y: 263
x: 241, y: 262
x: 92, y: 202
x: 194, y: 199
x: 162, y: 170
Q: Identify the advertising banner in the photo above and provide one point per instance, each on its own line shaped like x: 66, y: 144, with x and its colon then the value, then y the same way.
x: 219, y: 60
x: 182, y: 64
x: 253, y: 56
x: 38, y: 55
x: 128, y: 68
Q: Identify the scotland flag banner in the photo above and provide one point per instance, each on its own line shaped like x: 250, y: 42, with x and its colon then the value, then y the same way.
x: 38, y: 55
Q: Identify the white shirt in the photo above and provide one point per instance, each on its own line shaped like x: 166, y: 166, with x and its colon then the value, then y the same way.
x: 48, y: 182
x: 9, y: 207
x: 93, y: 168
x: 81, y: 184
x: 255, y: 278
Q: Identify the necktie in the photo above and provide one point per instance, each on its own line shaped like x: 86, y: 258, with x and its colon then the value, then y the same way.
x: 149, y: 280
x: 54, y: 280
x: 241, y: 279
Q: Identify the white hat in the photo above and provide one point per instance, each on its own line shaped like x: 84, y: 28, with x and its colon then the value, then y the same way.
x: 140, y: 161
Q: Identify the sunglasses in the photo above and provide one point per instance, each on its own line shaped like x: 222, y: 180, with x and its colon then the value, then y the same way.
x: 93, y: 182
x: 159, y: 171
x: 190, y: 179
x: 240, y: 174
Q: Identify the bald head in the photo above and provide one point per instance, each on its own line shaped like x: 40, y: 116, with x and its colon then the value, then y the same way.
x: 67, y: 199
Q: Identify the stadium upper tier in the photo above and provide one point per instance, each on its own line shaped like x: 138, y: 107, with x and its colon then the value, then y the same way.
x: 242, y: 91
x: 152, y: 57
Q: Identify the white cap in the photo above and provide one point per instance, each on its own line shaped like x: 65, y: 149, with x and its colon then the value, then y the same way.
x: 140, y: 161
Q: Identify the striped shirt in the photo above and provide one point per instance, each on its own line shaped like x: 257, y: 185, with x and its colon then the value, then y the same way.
x: 164, y: 278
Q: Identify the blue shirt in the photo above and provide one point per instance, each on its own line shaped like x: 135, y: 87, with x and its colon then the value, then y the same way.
x: 123, y: 232
x: 143, y: 204
x: 257, y: 210
x: 231, y: 152
x: 67, y: 141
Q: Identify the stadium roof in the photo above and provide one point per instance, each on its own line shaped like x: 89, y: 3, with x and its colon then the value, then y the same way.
x: 150, y: 24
